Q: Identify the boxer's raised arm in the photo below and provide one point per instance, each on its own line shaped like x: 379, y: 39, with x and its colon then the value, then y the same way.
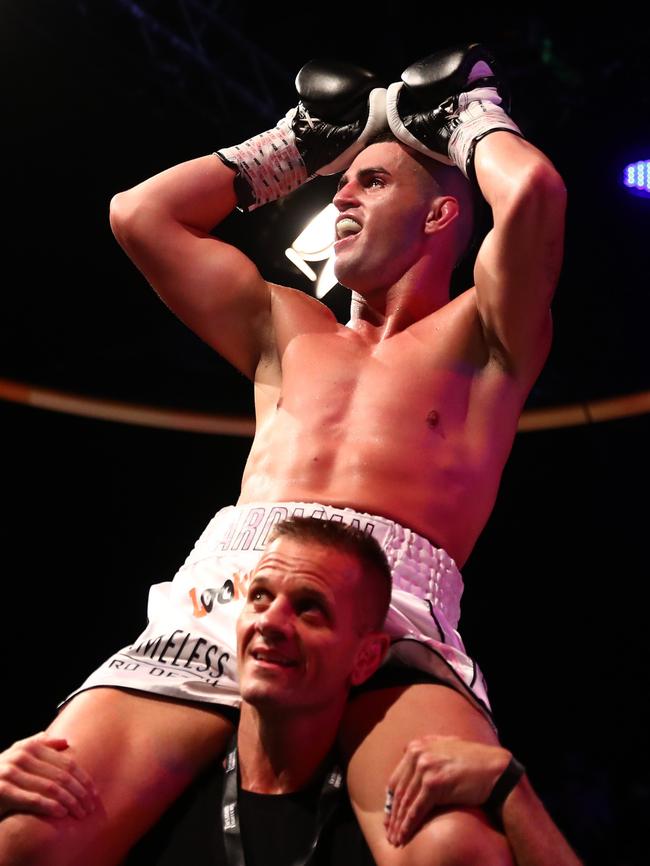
x: 451, y: 106
x: 519, y: 262
x: 165, y: 224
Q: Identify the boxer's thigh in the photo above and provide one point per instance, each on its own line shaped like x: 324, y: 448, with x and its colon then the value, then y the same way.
x: 141, y: 752
x: 377, y: 727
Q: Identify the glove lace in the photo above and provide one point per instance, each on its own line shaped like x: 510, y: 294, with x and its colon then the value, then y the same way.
x: 307, y: 115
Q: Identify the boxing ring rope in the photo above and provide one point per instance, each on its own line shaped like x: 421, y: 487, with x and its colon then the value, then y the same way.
x: 229, y: 425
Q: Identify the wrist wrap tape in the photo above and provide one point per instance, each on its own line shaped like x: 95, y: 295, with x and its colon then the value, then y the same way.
x: 268, y: 166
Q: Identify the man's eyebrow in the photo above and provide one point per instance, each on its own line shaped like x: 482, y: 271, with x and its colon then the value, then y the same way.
x: 258, y: 580
x: 312, y: 593
x: 362, y: 174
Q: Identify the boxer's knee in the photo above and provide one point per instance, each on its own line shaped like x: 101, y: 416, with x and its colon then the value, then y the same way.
x: 467, y: 838
x: 458, y: 837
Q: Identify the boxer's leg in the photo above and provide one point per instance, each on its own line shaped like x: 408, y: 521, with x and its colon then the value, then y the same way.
x: 377, y: 727
x: 141, y: 752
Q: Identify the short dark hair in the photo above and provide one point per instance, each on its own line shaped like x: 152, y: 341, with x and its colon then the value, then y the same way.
x: 375, y: 571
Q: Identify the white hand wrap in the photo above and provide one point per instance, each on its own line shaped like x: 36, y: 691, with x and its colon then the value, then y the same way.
x: 270, y: 162
x: 478, y: 112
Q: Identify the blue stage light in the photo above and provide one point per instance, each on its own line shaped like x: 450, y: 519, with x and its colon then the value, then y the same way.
x: 636, y: 177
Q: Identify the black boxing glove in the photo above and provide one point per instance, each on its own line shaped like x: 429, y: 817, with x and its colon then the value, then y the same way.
x: 341, y: 107
x: 448, y: 102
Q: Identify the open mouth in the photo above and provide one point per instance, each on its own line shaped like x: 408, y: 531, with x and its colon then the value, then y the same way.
x: 267, y: 657
x: 347, y: 227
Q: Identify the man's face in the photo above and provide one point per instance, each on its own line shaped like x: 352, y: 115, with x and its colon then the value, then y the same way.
x: 298, y: 634
x: 385, y: 193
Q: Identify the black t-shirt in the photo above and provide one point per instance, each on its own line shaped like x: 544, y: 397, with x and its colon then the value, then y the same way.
x: 276, y: 829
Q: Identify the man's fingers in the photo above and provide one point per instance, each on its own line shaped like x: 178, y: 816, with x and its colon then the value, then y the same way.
x: 399, y: 782
x: 71, y: 774
x: 57, y: 743
x: 414, y: 817
x: 37, y: 775
x: 393, y: 793
x: 14, y: 799
x: 408, y: 792
x: 24, y: 792
x: 60, y: 783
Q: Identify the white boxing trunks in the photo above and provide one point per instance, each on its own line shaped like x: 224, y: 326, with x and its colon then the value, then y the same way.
x: 188, y: 650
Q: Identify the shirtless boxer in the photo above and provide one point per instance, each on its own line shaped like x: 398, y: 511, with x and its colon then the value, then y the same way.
x: 408, y: 413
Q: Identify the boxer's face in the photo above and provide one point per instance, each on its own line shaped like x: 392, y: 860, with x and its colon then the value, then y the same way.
x: 299, y: 634
x: 383, y: 201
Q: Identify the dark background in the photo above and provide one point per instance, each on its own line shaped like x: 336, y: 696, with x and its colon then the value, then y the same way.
x: 97, y: 96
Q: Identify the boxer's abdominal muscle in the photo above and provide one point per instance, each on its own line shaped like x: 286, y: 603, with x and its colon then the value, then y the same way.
x: 413, y: 431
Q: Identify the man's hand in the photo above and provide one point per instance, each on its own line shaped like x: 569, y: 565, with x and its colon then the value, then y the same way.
x: 439, y: 771
x: 447, y: 102
x: 37, y: 778
x: 341, y: 106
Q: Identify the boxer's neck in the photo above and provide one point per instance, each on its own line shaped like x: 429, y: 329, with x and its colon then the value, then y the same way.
x: 419, y: 292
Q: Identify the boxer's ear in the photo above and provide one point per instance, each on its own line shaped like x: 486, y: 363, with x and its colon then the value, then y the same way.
x: 444, y: 210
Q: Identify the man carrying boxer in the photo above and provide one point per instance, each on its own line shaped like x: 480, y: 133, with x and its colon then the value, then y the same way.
x: 400, y: 423
x: 310, y: 629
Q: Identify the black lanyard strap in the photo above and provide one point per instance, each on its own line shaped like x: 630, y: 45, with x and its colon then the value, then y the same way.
x: 330, y: 794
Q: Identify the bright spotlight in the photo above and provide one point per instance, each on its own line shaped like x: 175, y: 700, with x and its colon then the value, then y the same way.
x: 315, y: 243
